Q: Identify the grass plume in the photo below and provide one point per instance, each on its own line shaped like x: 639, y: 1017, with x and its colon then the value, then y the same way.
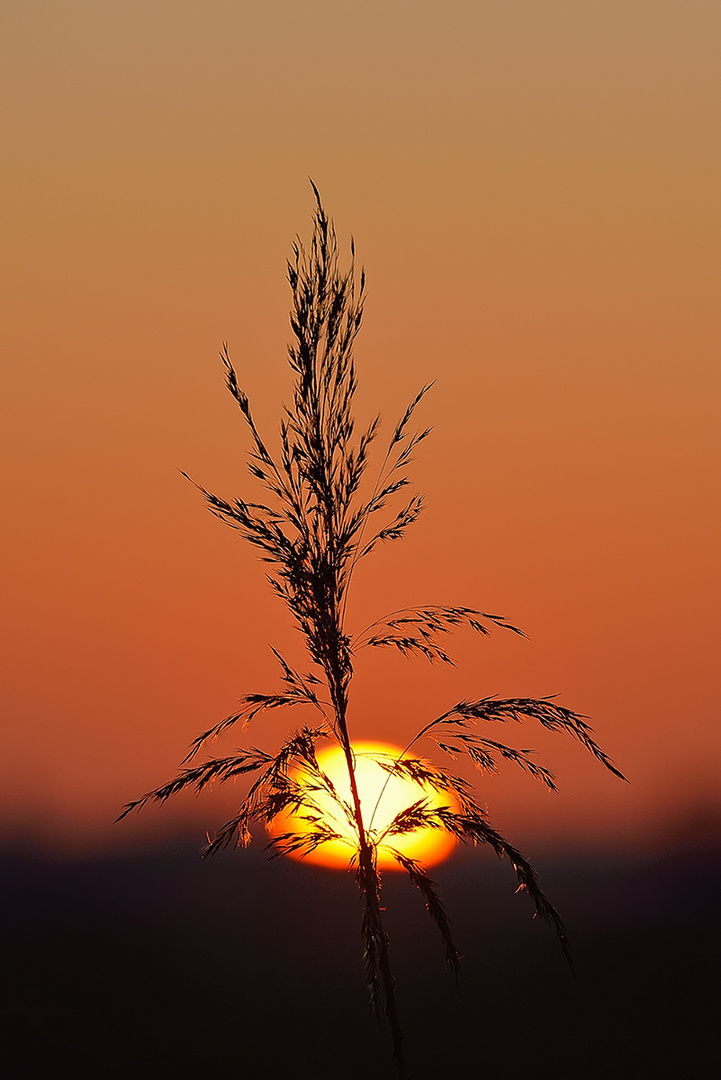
x: 312, y: 528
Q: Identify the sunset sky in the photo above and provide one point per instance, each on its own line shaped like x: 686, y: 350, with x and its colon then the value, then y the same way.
x: 533, y: 189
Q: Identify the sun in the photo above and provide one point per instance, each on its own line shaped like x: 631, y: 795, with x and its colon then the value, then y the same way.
x: 382, y: 796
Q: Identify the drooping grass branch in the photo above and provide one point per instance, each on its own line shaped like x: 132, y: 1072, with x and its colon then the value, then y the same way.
x: 320, y: 515
x: 417, y: 630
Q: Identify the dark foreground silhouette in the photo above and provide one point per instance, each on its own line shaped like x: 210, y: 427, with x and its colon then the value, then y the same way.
x: 162, y: 967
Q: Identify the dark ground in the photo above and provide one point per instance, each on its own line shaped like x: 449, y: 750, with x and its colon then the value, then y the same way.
x: 162, y: 967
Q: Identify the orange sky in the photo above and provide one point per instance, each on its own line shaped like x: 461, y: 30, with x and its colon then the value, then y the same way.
x: 533, y: 189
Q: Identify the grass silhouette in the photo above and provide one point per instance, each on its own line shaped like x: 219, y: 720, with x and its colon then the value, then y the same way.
x: 313, y: 530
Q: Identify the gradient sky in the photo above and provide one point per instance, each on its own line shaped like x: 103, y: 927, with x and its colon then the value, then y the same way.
x: 534, y: 191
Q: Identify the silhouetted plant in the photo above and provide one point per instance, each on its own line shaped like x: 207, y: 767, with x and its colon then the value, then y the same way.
x: 313, y: 532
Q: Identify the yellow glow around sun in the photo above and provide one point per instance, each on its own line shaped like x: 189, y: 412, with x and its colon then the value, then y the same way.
x: 429, y: 846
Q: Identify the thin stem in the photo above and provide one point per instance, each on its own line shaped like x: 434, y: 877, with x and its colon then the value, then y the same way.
x: 370, y: 873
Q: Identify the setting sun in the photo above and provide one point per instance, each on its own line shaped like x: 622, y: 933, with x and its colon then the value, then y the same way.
x: 382, y: 796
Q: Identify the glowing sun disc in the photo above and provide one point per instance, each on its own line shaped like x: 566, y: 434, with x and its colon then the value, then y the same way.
x: 391, y: 792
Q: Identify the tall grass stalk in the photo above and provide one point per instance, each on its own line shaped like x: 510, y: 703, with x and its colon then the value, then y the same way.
x: 313, y: 529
